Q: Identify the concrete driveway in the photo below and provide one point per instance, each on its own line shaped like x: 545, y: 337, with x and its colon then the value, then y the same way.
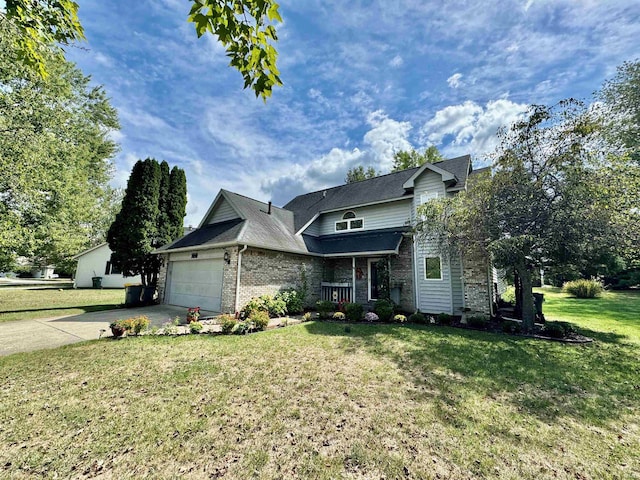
x: 29, y: 335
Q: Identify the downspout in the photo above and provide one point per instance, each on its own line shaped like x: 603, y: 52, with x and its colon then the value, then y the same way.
x: 353, y: 279
x: 416, y: 287
x: 491, y: 298
x: 237, y: 301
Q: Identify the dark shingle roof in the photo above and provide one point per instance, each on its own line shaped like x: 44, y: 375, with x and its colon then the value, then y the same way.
x: 212, y: 234
x: 383, y: 240
x: 377, y: 189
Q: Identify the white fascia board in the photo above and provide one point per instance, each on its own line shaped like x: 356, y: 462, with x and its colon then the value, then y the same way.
x: 446, y: 176
x: 233, y: 244
x: 349, y: 207
x: 75, y: 257
x: 359, y: 205
x: 306, y: 225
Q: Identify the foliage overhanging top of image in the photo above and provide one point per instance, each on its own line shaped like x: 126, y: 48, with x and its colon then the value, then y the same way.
x: 246, y: 29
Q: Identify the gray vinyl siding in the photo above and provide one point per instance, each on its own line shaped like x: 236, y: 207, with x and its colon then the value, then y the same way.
x: 223, y: 212
x: 434, y: 296
x: 314, y: 228
x: 385, y: 215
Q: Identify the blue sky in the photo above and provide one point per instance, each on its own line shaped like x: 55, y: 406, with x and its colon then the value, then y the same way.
x: 361, y: 81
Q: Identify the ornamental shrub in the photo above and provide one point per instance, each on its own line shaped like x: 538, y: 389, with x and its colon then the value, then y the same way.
x: 306, y: 317
x: 195, y: 327
x: 384, y: 309
x: 583, y: 288
x: 293, y: 300
x: 339, y: 316
x: 260, y: 319
x: 511, y: 327
x: 478, y: 321
x: 371, y: 317
x: 399, y: 318
x: 228, y: 323
x: 558, y: 329
x: 444, y: 319
x: 417, y: 317
x: 275, y: 307
x: 353, y: 311
x: 325, y: 307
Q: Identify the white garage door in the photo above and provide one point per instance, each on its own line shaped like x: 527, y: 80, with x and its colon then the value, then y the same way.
x: 196, y: 283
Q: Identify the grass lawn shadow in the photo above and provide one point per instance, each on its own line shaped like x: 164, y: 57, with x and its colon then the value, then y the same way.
x: 550, y: 380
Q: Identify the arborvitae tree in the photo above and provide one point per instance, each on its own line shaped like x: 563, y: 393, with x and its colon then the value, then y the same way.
x: 164, y: 230
x: 152, y: 215
x: 177, y: 203
x: 132, y: 234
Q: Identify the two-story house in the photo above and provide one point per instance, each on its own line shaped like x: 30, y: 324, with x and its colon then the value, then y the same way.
x: 345, y: 243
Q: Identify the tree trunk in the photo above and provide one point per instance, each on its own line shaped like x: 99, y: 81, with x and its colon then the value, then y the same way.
x: 518, y: 292
x: 528, y: 313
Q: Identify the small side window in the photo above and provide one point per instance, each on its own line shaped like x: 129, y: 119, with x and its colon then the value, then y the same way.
x: 432, y: 268
x: 342, y: 226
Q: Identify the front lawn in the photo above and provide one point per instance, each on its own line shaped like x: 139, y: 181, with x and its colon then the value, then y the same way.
x: 28, y: 304
x: 615, y: 313
x: 313, y: 401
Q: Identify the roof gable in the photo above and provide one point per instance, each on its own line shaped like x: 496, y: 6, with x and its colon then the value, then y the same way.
x: 221, y: 210
x: 453, y: 171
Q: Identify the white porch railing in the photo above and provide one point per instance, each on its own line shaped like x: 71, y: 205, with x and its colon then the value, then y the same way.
x: 336, y: 292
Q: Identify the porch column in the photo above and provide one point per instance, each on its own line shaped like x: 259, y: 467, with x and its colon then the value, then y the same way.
x: 353, y: 280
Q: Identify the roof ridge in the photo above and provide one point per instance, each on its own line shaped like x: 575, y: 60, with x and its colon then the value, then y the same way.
x: 266, y: 204
x: 359, y: 181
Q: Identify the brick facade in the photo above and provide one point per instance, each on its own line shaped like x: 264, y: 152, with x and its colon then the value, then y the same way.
x: 265, y: 272
x: 477, y: 296
x: 401, y: 275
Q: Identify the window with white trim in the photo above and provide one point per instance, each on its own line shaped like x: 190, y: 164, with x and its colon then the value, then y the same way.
x: 425, y: 197
x: 349, y: 222
x: 433, y: 268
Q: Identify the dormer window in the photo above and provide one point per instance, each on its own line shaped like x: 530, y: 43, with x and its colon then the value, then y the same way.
x: 349, y: 222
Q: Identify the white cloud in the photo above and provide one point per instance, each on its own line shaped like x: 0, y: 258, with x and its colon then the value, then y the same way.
x: 396, y: 61
x: 386, y: 137
x: 454, y: 80
x: 470, y: 127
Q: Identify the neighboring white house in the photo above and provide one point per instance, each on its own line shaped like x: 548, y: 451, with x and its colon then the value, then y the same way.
x: 95, y: 262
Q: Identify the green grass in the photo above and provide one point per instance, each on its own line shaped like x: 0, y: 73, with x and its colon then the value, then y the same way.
x: 614, y: 314
x: 312, y: 401
x: 28, y: 304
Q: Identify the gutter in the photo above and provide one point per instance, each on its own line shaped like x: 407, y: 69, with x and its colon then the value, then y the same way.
x: 237, y: 299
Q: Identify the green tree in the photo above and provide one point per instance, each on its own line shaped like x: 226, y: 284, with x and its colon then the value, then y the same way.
x: 403, y: 159
x: 39, y: 27
x: 152, y: 213
x: 621, y: 115
x: 357, y: 174
x: 245, y: 27
x: 55, y: 153
x: 542, y: 205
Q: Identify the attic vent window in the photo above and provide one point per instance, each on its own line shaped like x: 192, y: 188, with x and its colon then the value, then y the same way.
x: 194, y: 255
x: 349, y: 222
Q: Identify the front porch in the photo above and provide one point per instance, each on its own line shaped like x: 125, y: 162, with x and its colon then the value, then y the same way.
x: 365, y: 279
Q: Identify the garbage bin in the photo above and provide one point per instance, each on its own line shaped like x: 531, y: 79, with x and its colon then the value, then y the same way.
x: 97, y: 282
x: 132, y: 295
x: 148, y: 294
